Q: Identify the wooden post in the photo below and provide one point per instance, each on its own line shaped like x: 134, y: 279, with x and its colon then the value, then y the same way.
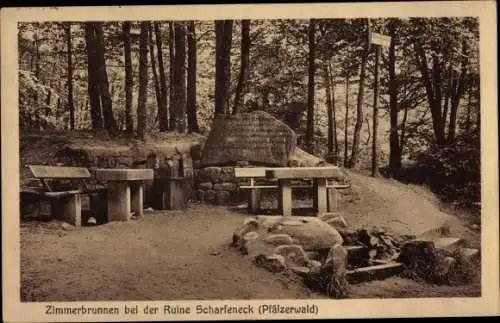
x: 136, y: 198
x: 254, y: 200
x: 375, y: 111
x: 285, y: 198
x: 319, y: 197
x: 332, y: 200
x: 118, y: 201
x: 71, y: 209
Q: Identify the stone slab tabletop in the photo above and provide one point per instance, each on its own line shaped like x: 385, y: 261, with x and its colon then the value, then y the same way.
x: 123, y: 174
x: 304, y: 172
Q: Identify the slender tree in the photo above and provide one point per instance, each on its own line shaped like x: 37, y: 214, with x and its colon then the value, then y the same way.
x: 376, y: 94
x: 163, y: 109
x: 143, y: 80
x: 191, y: 79
x: 156, y: 82
x: 171, y: 49
x: 71, y: 105
x: 359, y: 108
x: 103, y: 84
x: 223, y: 41
x: 459, y: 86
x: 332, y: 124
x: 310, y: 85
x: 180, y: 77
x: 129, y: 82
x: 239, y: 98
x: 394, y: 143
x: 93, y: 90
x: 346, y: 124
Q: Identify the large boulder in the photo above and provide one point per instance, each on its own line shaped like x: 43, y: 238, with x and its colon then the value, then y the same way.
x: 309, y: 232
x: 256, y: 137
x: 301, y: 158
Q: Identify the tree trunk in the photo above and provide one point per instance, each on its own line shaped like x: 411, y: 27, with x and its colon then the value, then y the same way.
x: 310, y: 86
x: 329, y: 112
x: 334, y: 112
x: 71, y: 105
x: 37, y: 56
x: 458, y: 93
x: 191, y: 80
x: 447, y: 94
x: 359, y: 111
x: 332, y: 126
x: 433, y: 91
x: 163, y: 108
x: 346, y: 119
x: 223, y: 40
x: 129, y: 120
x: 239, y: 98
x: 107, y: 108
x: 402, y: 138
x: 394, y: 143
x: 143, y: 80
x: 153, y: 68
x: 93, y: 90
x: 469, y: 107
x: 180, y: 77
x: 171, y: 47
x: 37, y: 65
x: 376, y: 94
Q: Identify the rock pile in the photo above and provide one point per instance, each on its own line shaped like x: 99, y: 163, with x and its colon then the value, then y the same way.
x: 375, y: 246
x: 303, y: 245
x: 329, y: 256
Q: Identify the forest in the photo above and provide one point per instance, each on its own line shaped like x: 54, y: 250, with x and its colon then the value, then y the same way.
x: 320, y: 76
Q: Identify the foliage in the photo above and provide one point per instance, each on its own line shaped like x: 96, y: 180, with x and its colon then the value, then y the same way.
x: 277, y: 83
x: 41, y: 115
x: 453, y: 171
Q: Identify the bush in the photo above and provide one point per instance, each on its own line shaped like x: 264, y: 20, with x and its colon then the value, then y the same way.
x: 453, y: 171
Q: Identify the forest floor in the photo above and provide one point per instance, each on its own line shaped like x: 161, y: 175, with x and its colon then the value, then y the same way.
x: 186, y: 255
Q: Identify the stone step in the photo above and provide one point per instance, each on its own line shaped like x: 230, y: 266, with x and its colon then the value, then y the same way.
x: 448, y: 243
x: 377, y: 272
x: 471, y: 254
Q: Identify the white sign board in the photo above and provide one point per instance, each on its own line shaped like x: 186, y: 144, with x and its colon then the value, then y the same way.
x: 379, y: 39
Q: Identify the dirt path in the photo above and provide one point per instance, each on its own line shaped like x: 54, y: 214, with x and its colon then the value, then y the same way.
x: 166, y: 256
x: 162, y: 256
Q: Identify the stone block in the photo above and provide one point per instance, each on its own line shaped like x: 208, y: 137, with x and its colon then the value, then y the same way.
x: 377, y: 272
x: 222, y: 197
x: 449, y: 244
x: 227, y: 170
x: 210, y: 174
x: 210, y: 196
x: 472, y: 255
x: 205, y: 185
x: 225, y: 187
x: 227, y: 177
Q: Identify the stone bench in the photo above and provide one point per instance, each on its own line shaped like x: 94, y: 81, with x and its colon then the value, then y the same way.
x: 63, y: 186
x: 256, y: 181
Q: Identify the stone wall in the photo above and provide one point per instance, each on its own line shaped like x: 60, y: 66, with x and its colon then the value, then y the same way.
x: 216, y: 185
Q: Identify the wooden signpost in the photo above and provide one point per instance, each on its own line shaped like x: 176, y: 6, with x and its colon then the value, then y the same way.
x: 379, y: 40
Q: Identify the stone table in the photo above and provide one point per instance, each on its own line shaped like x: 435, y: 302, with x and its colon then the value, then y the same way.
x: 125, y: 191
x: 319, y: 175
